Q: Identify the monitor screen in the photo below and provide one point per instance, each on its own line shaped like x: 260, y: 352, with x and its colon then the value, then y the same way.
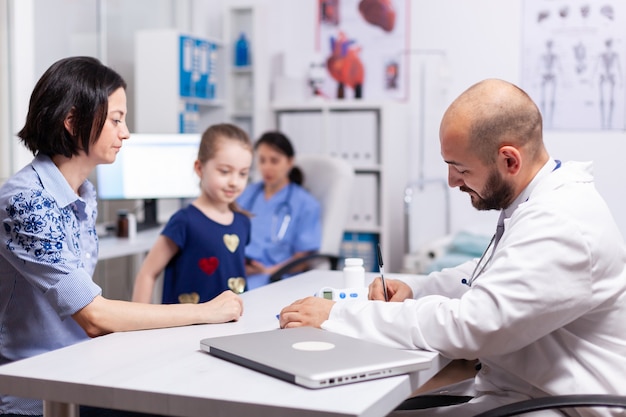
x: 151, y: 166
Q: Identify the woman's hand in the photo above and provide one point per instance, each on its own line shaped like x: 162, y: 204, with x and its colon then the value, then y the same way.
x: 226, y: 307
x: 396, y: 290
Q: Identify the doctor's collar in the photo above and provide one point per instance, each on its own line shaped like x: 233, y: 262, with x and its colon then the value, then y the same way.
x: 550, y: 166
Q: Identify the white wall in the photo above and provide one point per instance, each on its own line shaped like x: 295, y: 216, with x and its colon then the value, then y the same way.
x: 439, y: 45
x: 482, y: 39
x: 103, y: 29
x: 475, y: 40
x: 20, y: 75
x: 479, y: 39
x: 5, y: 131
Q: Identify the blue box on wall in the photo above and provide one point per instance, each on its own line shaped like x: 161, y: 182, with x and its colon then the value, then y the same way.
x: 197, y: 68
x: 188, y: 118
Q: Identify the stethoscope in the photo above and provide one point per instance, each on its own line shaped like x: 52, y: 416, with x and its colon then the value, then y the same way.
x: 478, y: 269
x: 476, y: 272
x: 283, y: 208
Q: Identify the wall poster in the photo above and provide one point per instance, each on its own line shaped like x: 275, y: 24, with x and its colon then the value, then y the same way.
x: 573, y: 61
x: 363, y: 48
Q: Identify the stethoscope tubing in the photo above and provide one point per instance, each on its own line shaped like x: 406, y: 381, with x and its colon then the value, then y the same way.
x: 285, y: 204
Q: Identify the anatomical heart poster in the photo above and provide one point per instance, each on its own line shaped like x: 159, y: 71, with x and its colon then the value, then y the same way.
x: 363, y: 50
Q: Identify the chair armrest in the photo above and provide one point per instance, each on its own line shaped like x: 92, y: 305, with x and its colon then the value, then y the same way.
x: 557, y: 401
x: 278, y: 275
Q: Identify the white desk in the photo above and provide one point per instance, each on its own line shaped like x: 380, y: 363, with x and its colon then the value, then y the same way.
x: 163, y: 371
x: 113, y: 247
x: 118, y: 278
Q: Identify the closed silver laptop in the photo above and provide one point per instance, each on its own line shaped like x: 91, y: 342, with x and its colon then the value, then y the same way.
x: 312, y: 357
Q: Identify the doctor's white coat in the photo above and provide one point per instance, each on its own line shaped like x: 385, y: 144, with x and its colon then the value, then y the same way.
x: 548, y: 314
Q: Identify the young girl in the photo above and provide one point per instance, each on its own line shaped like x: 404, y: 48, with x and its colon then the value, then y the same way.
x: 202, y: 246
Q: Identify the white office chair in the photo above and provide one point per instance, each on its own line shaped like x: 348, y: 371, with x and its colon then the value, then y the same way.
x: 329, y: 180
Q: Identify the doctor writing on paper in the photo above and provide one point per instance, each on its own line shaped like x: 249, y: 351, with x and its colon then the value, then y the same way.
x: 544, y: 307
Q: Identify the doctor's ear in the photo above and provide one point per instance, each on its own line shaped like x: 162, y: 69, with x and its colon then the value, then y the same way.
x: 511, y: 158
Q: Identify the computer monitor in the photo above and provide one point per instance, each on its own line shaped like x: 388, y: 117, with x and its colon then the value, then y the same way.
x: 151, y: 167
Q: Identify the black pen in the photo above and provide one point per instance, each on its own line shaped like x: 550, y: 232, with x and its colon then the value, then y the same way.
x: 382, y: 272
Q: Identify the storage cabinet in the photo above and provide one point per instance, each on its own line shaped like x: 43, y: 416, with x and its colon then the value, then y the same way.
x: 372, y: 137
x: 178, y: 82
x: 246, y: 86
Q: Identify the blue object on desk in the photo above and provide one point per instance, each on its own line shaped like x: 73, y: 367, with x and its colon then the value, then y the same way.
x: 341, y: 294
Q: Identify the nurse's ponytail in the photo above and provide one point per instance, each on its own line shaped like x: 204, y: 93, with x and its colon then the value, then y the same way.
x: 296, y: 175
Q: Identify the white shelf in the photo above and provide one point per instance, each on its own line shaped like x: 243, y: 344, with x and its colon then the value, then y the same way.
x: 374, y: 230
x: 370, y: 135
x: 179, y: 82
x: 204, y: 102
x: 247, y: 87
x: 248, y: 69
x: 365, y: 169
x: 242, y: 115
x: 327, y: 105
x: 114, y: 247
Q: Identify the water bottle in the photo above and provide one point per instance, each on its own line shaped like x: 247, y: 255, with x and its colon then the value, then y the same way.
x: 242, y: 51
x: 354, y: 273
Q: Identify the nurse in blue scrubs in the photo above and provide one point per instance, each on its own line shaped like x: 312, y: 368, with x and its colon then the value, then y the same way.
x: 286, y: 220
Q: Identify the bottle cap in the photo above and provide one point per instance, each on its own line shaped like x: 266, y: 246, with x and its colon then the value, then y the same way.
x: 354, y: 262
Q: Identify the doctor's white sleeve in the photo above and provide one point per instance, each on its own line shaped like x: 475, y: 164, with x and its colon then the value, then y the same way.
x: 534, y: 285
x: 394, y: 323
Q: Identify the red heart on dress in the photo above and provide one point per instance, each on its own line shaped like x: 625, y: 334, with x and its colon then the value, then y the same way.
x: 208, y: 265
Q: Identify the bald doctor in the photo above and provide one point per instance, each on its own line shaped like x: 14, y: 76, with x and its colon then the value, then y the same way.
x: 544, y: 308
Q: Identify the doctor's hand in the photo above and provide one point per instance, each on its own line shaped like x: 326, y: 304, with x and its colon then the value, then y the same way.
x: 310, y: 311
x: 396, y: 290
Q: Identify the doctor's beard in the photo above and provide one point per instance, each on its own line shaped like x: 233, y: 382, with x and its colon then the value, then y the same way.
x: 497, y: 194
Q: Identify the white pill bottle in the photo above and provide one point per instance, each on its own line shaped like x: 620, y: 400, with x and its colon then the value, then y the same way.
x: 354, y: 273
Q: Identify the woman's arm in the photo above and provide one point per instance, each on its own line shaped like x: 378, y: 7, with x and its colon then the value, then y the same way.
x: 161, y: 253
x: 103, y: 316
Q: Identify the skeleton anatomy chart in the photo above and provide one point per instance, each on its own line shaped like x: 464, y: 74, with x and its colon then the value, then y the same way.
x: 573, y: 60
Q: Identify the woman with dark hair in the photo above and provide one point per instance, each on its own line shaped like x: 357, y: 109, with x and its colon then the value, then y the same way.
x: 286, y: 221
x: 48, y: 242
